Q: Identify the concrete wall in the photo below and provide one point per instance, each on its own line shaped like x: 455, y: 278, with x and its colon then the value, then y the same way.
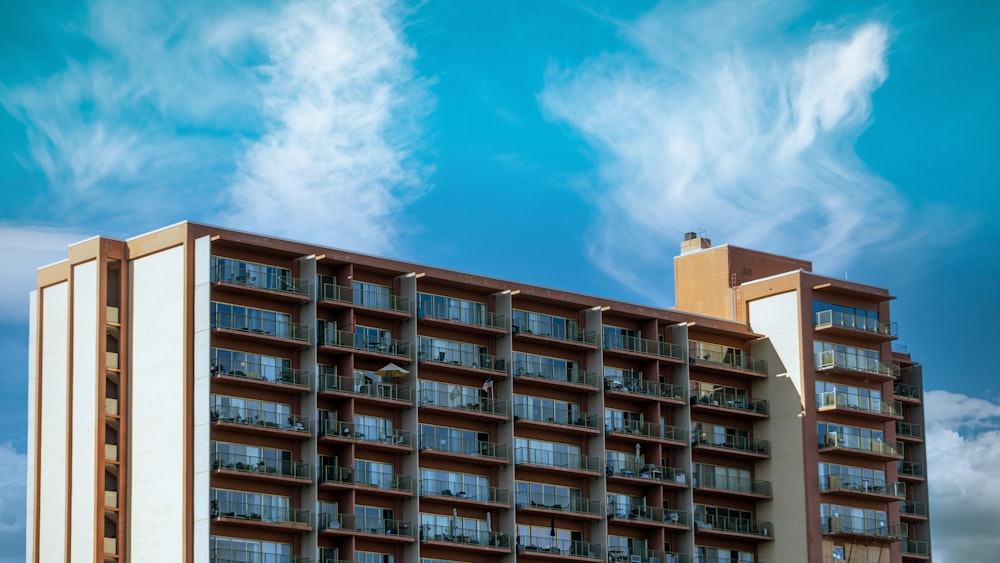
x: 54, y: 459
x: 201, y: 464
x: 83, y: 504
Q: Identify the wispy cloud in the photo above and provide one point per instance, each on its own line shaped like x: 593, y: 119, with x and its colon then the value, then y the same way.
x: 963, y: 457
x: 23, y: 250
x: 709, y: 122
x: 343, y: 103
x: 13, y: 475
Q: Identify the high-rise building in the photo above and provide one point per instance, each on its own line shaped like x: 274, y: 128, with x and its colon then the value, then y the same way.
x: 200, y: 394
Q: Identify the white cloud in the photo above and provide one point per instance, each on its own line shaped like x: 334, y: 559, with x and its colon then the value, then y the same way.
x: 341, y: 98
x: 24, y: 249
x: 13, y: 468
x: 713, y: 123
x: 963, y: 458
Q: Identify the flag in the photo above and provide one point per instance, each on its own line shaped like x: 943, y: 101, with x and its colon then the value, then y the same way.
x: 488, y: 384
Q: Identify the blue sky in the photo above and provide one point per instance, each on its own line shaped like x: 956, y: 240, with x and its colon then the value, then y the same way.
x: 562, y: 143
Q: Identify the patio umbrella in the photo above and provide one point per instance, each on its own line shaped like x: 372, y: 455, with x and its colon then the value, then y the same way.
x: 489, y: 521
x: 392, y: 370
x: 454, y: 521
x: 552, y: 529
x: 638, y: 454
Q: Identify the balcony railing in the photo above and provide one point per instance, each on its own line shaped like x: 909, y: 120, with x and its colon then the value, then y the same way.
x: 364, y: 342
x: 650, y: 514
x: 644, y: 346
x: 264, y: 373
x: 557, y: 416
x: 906, y: 390
x: 647, y: 430
x: 729, y: 442
x: 270, y: 280
x: 861, y: 444
x: 264, y: 327
x: 539, y: 370
x: 707, y: 478
x: 834, y: 360
x: 381, y: 526
x: 911, y: 469
x: 468, y: 359
x: 378, y: 479
x: 867, y: 527
x: 462, y: 401
x: 737, y: 525
x: 224, y: 555
x: 464, y: 536
x: 633, y: 468
x: 909, y: 430
x: 377, y: 434
x: 259, y: 513
x: 851, y: 321
x: 550, y: 501
x: 547, y: 544
x: 657, y: 556
x: 477, y: 448
x: 536, y: 328
x: 548, y: 458
x: 375, y: 300
x: 481, y: 493
x: 913, y: 508
x: 261, y: 419
x: 916, y: 547
x: 639, y: 386
x: 261, y: 466
x: 456, y: 314
x: 856, y: 401
x: 725, y: 357
x: 365, y: 383
x: 707, y: 394
x: 862, y: 485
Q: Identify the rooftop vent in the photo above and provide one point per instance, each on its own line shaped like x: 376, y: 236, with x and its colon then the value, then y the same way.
x: 694, y: 241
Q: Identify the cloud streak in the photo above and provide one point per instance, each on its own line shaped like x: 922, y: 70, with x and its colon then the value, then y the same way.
x: 23, y: 250
x: 718, y: 127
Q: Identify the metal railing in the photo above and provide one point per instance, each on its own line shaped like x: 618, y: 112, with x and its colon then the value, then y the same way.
x: 647, y: 429
x: 571, y: 374
x: 378, y: 479
x: 832, y: 359
x: 464, y: 536
x: 343, y: 429
x: 266, y: 373
x: 457, y: 314
x: 740, y: 443
x: 639, y: 386
x: 547, y: 544
x: 913, y: 508
x: 481, y: 493
x: 856, y: 401
x: 373, y: 299
x: 911, y: 468
x: 557, y: 416
x: 644, y: 346
x: 273, y: 281
x: 258, y: 512
x: 365, y: 383
x: 364, y: 342
x: 858, y: 443
x: 462, y: 401
x: 869, y: 527
x: 862, y: 485
x: 852, y: 321
x: 909, y: 429
x: 915, y: 547
x: 464, y: 358
x: 726, y: 357
x: 263, y: 327
x: 381, y: 526
x: 477, y: 448
x: 632, y: 468
x: 707, y: 478
x: 553, y: 501
x: 708, y: 394
x: 260, y: 465
x: 548, y: 458
x: 230, y: 555
x: 534, y: 327
x: 906, y: 390
x: 261, y: 419
x: 645, y: 513
x: 738, y: 525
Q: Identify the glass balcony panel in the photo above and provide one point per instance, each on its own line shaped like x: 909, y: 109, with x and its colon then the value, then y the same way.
x: 726, y: 357
x: 549, y: 458
x: 708, y: 478
x: 462, y: 315
x: 261, y: 419
x: 261, y: 465
x: 557, y: 416
x: 476, y: 448
x: 464, y: 536
x: 867, y: 527
x: 645, y: 346
x: 547, y: 371
x: 574, y: 548
x: 258, y: 512
x: 464, y: 358
x: 552, y: 501
x: 378, y: 479
x: 258, y: 276
x: 483, y: 493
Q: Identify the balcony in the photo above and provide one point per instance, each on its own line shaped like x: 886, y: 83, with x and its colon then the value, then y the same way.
x: 862, y: 488
x: 380, y: 304
x: 338, y: 430
x: 374, y: 346
x: 655, y: 556
x: 477, y: 451
x: 710, y: 398
x: 475, y: 407
x: 443, y: 315
x: 650, y: 516
x: 577, y: 422
x: 913, y: 510
x: 381, y: 482
x: 366, y: 386
x: 861, y: 528
x: 632, y: 346
x: 547, y: 503
x: 256, y: 329
x: 866, y: 447
x: 221, y: 555
x: 466, y: 539
x: 916, y: 549
x: 911, y: 470
x: 909, y: 431
x: 727, y: 527
x: 258, y: 515
x: 636, y: 472
x: 571, y: 378
x: 562, y: 462
x: 646, y: 431
x: 257, y: 468
x: 384, y: 529
x: 854, y: 403
x: 644, y: 389
x: 469, y: 495
x: 726, y: 360
x: 709, y: 481
x: 542, y: 547
x: 853, y: 364
x: 850, y: 324
x: 462, y: 361
x: 739, y: 445
x: 261, y: 422
x: 271, y: 281
x: 264, y: 376
x: 534, y: 330
x: 906, y: 391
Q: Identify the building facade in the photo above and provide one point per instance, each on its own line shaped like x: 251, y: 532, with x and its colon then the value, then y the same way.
x: 200, y: 394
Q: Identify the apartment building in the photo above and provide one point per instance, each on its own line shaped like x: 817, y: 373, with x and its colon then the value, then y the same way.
x: 201, y: 394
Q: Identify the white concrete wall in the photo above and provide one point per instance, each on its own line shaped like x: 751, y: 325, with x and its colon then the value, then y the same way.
x: 55, y: 393
x: 83, y: 474
x: 200, y: 404
x: 32, y: 396
x: 156, y: 451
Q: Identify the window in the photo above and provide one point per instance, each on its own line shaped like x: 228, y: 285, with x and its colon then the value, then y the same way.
x: 451, y: 309
x: 372, y: 295
x: 616, y: 420
x: 242, y: 457
x: 251, y: 274
x: 374, y: 473
x: 454, y: 440
x: 623, y: 546
x: 546, y: 410
x: 828, y: 355
x: 250, y: 506
x: 721, y: 555
x: 833, y: 394
x: 721, y: 477
x: 833, y: 477
x: 529, y: 493
x: 545, y: 325
x: 372, y: 557
x: 449, y: 395
x: 250, y: 319
x: 719, y: 395
x: 253, y: 412
x: 853, y: 520
x: 621, y: 338
x: 838, y: 435
x: 722, y: 436
x: 458, y: 353
x: 848, y: 317
x: 546, y: 453
x: 442, y: 527
x: 246, y: 364
x: 545, y: 367
x: 374, y: 519
x: 372, y: 428
x: 451, y: 483
x: 249, y: 551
